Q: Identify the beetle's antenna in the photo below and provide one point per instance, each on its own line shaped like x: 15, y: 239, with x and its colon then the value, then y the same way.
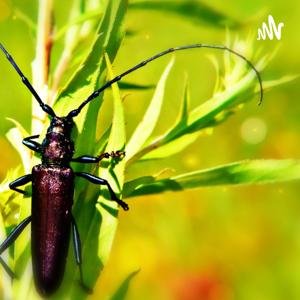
x: 95, y: 94
x: 46, y: 108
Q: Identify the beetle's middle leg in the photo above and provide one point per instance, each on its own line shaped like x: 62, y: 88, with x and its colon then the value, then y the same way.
x: 10, y: 240
x: 19, y: 182
x: 97, y: 180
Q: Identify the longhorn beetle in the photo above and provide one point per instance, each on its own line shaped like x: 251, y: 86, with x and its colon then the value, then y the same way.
x: 53, y: 184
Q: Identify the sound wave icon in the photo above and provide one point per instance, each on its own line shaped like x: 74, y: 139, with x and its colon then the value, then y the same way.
x: 270, y: 30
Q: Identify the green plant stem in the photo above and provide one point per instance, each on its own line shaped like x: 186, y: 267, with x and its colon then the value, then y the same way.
x: 40, y: 65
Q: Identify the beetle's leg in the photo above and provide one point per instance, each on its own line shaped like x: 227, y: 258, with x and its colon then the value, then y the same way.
x: 7, y: 268
x: 10, y: 240
x: 14, y: 234
x: 95, y: 159
x: 97, y: 180
x: 77, y: 252
x: 33, y: 145
x: 19, y: 182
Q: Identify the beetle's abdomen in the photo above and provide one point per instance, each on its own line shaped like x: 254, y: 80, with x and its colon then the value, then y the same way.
x: 52, y: 198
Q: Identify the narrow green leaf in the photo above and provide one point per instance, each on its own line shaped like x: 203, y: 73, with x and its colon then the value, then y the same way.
x: 15, y: 136
x: 94, y: 14
x: 172, y: 147
x: 132, y: 185
x: 133, y: 86
x: 238, y: 173
x: 193, y: 11
x: 114, y: 174
x: 216, y: 109
x: 285, y: 79
x: 9, y: 199
x: 183, y: 116
x: 147, y: 125
x: 206, y: 114
x: 19, y: 14
x: 122, y: 291
x: 102, y: 142
x: 182, y: 122
x: 117, y: 137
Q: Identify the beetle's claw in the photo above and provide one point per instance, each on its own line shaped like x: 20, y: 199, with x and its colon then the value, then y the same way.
x: 117, y: 154
x: 120, y: 153
x: 124, y: 205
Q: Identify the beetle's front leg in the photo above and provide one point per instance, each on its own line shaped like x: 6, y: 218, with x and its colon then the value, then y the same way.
x: 19, y: 182
x: 97, y: 180
x: 32, y: 145
x: 95, y: 159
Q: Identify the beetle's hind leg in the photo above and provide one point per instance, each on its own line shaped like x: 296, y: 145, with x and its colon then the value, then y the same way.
x: 10, y: 240
x: 77, y: 252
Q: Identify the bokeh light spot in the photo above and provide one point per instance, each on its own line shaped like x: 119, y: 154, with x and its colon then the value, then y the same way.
x: 253, y: 130
x: 191, y: 161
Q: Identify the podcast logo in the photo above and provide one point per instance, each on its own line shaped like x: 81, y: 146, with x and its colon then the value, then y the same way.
x: 270, y: 29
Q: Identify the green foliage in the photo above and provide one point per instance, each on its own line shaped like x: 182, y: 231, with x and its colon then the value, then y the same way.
x: 238, y: 173
x: 146, y: 126
x: 121, y: 292
x: 97, y: 216
x: 195, y: 11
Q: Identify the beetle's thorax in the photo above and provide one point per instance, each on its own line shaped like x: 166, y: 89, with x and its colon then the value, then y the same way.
x: 57, y: 147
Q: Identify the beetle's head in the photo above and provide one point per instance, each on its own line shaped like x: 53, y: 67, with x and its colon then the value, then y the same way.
x: 57, y: 147
x: 62, y: 125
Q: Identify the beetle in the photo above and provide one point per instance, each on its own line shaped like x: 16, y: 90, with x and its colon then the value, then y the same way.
x: 53, y: 183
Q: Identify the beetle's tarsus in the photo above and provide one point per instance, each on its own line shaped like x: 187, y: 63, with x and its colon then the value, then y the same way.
x: 112, y: 154
x: 123, y: 204
x: 118, y: 154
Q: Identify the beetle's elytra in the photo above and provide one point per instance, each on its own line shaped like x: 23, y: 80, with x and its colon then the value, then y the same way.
x: 51, y: 219
x: 53, y: 184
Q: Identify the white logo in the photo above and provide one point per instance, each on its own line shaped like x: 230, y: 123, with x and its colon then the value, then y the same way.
x: 270, y: 30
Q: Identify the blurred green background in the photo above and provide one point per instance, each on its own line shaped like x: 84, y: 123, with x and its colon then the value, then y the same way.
x: 217, y: 243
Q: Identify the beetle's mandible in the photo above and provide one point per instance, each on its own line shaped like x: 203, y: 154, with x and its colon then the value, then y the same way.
x: 53, y: 184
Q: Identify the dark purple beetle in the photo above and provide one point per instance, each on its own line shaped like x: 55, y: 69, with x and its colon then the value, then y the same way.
x: 53, y: 185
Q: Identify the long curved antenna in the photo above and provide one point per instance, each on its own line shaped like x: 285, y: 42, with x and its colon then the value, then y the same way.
x: 46, y: 108
x: 95, y: 94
